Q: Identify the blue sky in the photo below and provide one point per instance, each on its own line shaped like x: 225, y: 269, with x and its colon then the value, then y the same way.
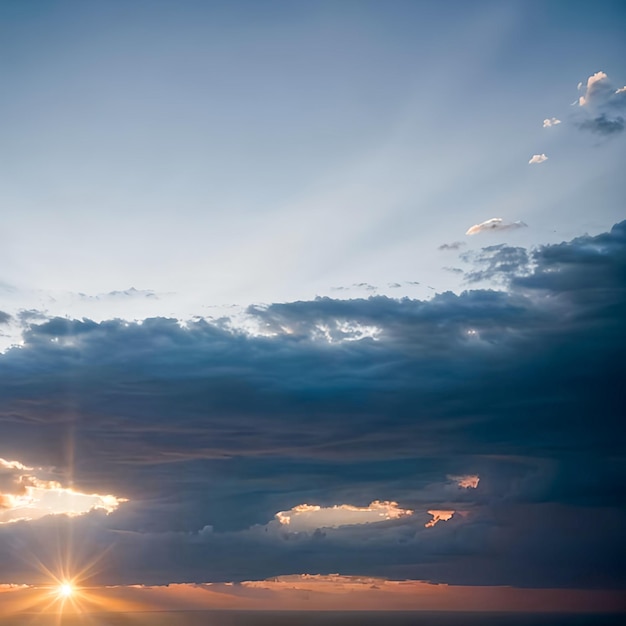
x: 245, y: 152
x: 237, y: 283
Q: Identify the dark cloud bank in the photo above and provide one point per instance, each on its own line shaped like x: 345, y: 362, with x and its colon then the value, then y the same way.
x: 209, y: 432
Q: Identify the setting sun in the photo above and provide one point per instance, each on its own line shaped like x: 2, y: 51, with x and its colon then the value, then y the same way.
x: 65, y: 590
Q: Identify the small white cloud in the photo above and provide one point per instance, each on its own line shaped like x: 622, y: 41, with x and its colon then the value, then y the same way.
x: 495, y: 223
x: 439, y: 516
x: 308, y: 517
x: 552, y: 121
x: 621, y: 89
x: 537, y: 158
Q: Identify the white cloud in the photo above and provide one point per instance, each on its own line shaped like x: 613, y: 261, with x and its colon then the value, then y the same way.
x: 537, y: 158
x: 621, y: 89
x: 307, y: 517
x: 594, y: 83
x: 552, y: 121
x: 495, y: 223
x: 26, y: 496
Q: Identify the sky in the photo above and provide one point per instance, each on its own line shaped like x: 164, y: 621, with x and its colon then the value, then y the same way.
x: 325, y: 293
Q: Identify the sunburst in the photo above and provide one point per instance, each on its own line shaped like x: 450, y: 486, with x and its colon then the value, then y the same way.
x: 65, y: 590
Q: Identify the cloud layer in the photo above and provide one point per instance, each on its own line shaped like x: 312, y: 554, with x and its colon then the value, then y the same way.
x: 504, y: 405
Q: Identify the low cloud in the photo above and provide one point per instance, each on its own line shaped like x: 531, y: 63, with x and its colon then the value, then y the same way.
x: 551, y: 121
x: 494, y: 224
x: 537, y: 158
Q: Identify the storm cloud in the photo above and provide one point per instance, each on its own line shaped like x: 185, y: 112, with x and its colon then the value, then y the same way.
x: 209, y: 432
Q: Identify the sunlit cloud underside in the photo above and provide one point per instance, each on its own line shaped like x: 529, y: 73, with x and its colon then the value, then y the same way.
x: 25, y: 496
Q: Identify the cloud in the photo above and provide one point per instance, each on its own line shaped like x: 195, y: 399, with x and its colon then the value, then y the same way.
x: 306, y: 517
x: 603, y: 125
x: 600, y: 106
x: 455, y: 245
x: 537, y: 158
x: 439, y: 516
x: 597, y: 86
x: 497, y: 263
x: 468, y: 481
x: 552, y: 121
x: 25, y: 496
x: 209, y: 429
x: 494, y: 224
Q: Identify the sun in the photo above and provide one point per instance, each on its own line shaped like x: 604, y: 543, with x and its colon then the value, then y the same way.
x: 65, y: 590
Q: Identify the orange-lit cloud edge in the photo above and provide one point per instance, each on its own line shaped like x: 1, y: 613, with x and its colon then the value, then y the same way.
x: 308, y: 592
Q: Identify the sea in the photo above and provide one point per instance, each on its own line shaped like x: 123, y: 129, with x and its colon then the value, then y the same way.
x: 318, y: 618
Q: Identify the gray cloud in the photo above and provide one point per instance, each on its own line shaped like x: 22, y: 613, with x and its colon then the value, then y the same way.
x: 499, y: 263
x: 210, y: 431
x: 602, y: 125
x: 455, y: 245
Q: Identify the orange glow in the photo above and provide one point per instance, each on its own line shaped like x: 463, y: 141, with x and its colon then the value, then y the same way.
x: 300, y: 592
x: 64, y: 567
x: 439, y: 516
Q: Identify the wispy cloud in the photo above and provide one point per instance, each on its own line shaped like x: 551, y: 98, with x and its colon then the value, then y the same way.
x: 537, y: 158
x: 552, y: 121
x: 494, y: 224
x: 467, y: 481
x: 455, y: 245
x: 603, y: 125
